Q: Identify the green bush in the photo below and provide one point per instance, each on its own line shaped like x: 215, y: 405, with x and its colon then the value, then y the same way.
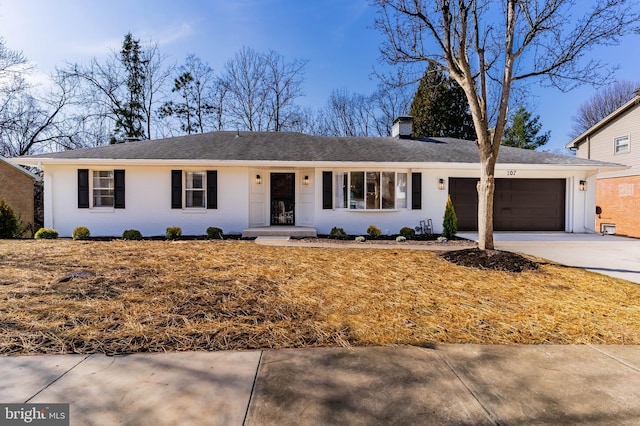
x: 408, y: 233
x: 373, y: 231
x: 9, y: 221
x: 173, y: 233
x: 213, y: 232
x: 337, y: 233
x: 81, y: 233
x: 46, y: 234
x: 131, y: 234
x: 450, y: 221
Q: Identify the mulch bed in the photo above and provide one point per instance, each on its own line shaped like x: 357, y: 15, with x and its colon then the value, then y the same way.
x: 493, y: 260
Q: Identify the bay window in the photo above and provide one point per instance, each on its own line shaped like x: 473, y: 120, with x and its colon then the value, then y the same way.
x: 370, y: 190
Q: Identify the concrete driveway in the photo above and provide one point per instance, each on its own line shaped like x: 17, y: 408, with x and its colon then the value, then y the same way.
x: 606, y: 254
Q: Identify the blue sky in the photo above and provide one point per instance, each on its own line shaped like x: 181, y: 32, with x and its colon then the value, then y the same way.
x: 334, y: 35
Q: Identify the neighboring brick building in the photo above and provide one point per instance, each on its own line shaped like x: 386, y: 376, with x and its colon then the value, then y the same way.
x: 616, y: 139
x: 17, y: 189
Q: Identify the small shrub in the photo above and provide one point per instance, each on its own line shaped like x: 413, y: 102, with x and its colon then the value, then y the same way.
x: 81, y: 233
x: 360, y: 239
x: 46, y: 234
x: 401, y: 239
x: 9, y: 221
x: 132, y: 234
x: 408, y: 233
x: 213, y: 232
x: 373, y: 231
x: 173, y: 233
x: 450, y: 221
x: 337, y: 233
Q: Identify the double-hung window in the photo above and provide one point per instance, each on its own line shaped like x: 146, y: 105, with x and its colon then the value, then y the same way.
x: 195, y: 190
x: 621, y: 145
x: 103, y: 188
x: 370, y: 190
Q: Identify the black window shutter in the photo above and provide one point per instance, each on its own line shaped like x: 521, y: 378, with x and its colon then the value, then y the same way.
x: 83, y: 188
x: 416, y: 191
x: 212, y: 189
x: 327, y: 192
x: 176, y: 189
x: 118, y: 189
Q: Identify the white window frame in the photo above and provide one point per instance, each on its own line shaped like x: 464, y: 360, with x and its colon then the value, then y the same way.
x: 110, y: 187
x: 186, y: 189
x: 344, y: 200
x: 626, y: 147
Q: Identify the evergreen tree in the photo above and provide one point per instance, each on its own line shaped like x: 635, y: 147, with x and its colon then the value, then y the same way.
x: 450, y: 220
x: 130, y: 113
x: 523, y: 131
x: 440, y: 108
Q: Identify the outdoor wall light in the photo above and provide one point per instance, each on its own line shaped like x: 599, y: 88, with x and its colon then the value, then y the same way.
x: 305, y: 181
x: 258, y: 180
x: 440, y: 184
x: 583, y: 185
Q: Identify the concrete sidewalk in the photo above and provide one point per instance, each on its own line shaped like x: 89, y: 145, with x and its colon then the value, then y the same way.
x: 444, y: 384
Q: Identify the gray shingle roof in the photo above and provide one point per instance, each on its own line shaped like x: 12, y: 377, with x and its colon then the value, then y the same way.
x: 289, y: 146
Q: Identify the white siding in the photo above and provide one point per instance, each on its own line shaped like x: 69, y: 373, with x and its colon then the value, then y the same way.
x: 148, y: 203
x: 600, y: 145
x: 243, y: 203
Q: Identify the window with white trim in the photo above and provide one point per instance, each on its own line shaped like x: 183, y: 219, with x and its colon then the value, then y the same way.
x: 103, y: 188
x: 621, y: 145
x: 370, y: 190
x: 195, y: 190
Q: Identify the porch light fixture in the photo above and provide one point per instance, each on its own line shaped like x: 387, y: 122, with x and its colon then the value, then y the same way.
x: 441, y: 184
x: 305, y: 181
x: 258, y: 180
x: 583, y: 185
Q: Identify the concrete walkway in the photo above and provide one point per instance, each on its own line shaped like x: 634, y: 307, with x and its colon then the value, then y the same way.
x: 606, y: 254
x: 440, y: 385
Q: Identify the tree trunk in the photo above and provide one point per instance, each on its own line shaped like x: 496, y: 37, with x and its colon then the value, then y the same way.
x: 486, y: 187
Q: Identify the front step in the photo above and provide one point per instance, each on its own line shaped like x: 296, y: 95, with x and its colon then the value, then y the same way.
x: 280, y: 231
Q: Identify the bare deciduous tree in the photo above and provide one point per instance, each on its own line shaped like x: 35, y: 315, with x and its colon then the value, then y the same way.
x: 488, y: 46
x: 247, y: 93
x: 392, y: 102
x: 283, y: 81
x: 39, y: 123
x: 348, y: 114
x: 603, y: 103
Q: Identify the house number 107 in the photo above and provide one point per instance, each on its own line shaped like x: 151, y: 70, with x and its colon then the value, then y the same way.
x: 511, y: 172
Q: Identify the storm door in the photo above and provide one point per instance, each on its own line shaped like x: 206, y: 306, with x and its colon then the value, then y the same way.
x: 283, y: 196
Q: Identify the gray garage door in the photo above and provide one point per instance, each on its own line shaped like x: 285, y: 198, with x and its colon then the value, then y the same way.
x: 519, y: 204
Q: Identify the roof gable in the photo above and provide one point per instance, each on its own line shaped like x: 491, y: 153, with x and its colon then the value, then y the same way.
x: 20, y: 169
x: 608, y: 120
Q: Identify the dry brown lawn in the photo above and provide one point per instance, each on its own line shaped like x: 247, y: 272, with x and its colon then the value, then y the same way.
x: 214, y: 295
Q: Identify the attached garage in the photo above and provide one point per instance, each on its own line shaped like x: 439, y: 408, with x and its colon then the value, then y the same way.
x: 519, y: 204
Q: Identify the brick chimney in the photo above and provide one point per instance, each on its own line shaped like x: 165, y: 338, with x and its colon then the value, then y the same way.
x: 402, y: 127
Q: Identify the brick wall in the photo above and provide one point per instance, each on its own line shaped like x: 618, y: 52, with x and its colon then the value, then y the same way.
x: 17, y: 190
x: 619, y: 200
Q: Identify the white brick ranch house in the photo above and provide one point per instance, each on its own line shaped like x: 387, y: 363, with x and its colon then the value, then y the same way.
x: 279, y: 180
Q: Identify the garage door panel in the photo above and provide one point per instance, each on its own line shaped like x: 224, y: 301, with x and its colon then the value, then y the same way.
x: 519, y: 204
